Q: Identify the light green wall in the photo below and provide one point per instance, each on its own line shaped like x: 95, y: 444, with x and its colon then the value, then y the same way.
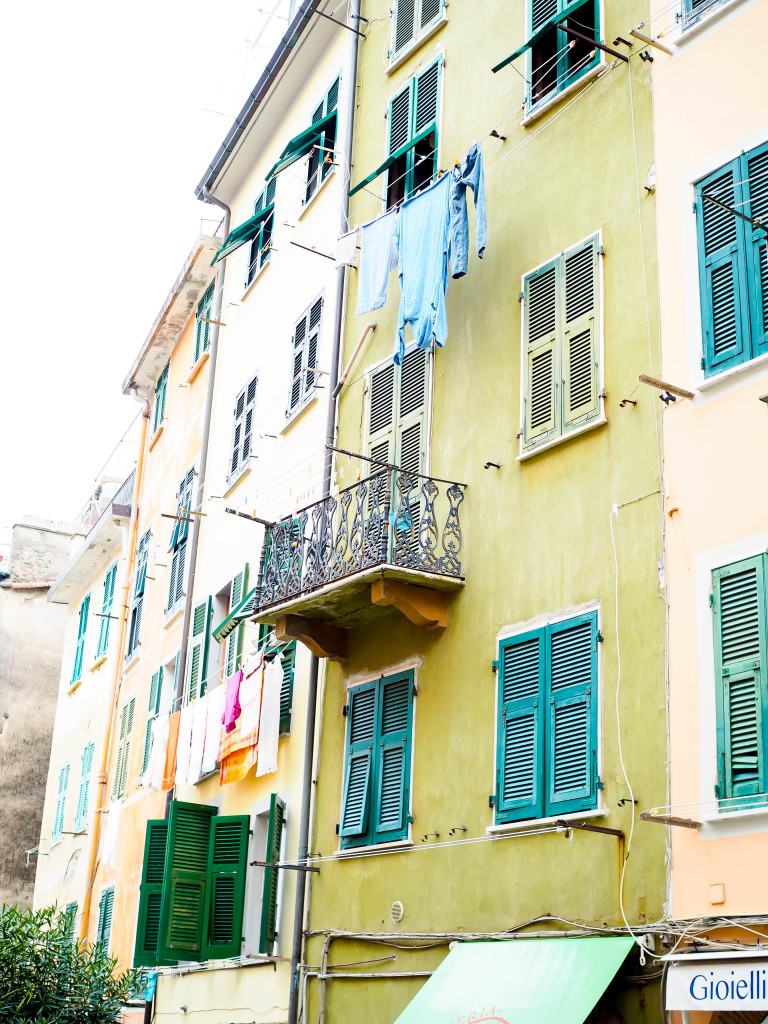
x: 536, y: 533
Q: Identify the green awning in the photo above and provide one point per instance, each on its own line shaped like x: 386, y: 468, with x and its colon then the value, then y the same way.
x: 301, y: 144
x: 242, y: 611
x: 541, y: 32
x: 245, y: 233
x: 391, y: 159
x: 525, y: 981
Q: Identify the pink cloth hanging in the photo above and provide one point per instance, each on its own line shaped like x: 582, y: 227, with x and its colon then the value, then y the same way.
x: 232, y: 701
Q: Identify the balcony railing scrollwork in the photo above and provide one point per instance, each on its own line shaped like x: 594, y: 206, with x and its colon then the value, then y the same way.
x: 391, y: 517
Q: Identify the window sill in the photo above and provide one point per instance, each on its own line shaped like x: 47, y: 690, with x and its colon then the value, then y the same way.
x: 98, y: 663
x: 371, y: 851
x: 728, y: 824
x: 132, y: 660
x: 521, y: 826
x: 307, y: 206
x: 198, y: 366
x: 296, y: 415
x: 232, y: 484
x: 698, y: 25
x: 744, y: 373
x: 544, y: 106
x: 155, y: 437
x: 74, y: 685
x: 411, y: 48
x: 256, y: 277
x: 523, y: 456
x: 172, y: 614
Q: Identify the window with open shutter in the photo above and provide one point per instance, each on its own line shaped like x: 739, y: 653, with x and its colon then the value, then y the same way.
x: 122, y: 758
x: 693, y: 9
x: 153, y: 709
x: 546, y: 730
x: 412, y: 18
x: 413, y: 126
x: 557, y: 59
x: 104, y: 926
x: 61, y: 799
x: 202, y: 321
x: 106, y: 610
x: 561, y: 365
x: 234, y: 641
x: 242, y: 433
x: 306, y: 343
x: 82, y: 626
x: 178, y: 546
x: 269, y: 894
x: 134, y: 630
x: 227, y: 861
x: 86, y: 765
x: 321, y: 156
x: 198, y: 649
x: 151, y: 894
x: 739, y: 594
x: 161, y: 391
x: 288, y: 662
x: 185, y: 881
x: 733, y: 262
x: 69, y: 913
x: 377, y: 770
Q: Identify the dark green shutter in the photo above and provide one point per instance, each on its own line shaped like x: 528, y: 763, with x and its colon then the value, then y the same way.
x: 198, y: 661
x: 70, y: 914
x: 722, y: 271
x: 235, y: 639
x: 361, y: 733
x: 151, y: 894
x: 161, y: 388
x: 288, y: 662
x: 227, y: 863
x: 82, y: 626
x: 740, y: 674
x: 393, y: 760
x: 202, y: 327
x: 269, y: 892
x: 104, y: 926
x: 153, y: 709
x: 572, y: 715
x: 754, y: 174
x: 185, y: 884
x: 106, y: 610
x: 520, y: 728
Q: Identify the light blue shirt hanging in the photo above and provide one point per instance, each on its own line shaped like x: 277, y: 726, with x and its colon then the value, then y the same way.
x: 422, y: 237
x: 376, y: 261
x: 468, y: 175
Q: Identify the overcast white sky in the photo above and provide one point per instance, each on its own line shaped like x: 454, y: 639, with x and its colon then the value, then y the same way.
x: 104, y: 136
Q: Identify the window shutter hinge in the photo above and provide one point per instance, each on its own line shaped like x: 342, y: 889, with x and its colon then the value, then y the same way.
x: 694, y: 207
x: 600, y: 638
x: 337, y: 829
x: 410, y: 819
x: 494, y: 667
x: 491, y: 801
x: 702, y: 363
x: 599, y: 783
x: 520, y: 296
x: 415, y: 690
x: 345, y: 710
x: 711, y: 600
x: 601, y: 251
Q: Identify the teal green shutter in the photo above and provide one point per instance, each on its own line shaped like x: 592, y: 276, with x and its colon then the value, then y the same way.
x: 393, y: 760
x: 202, y: 327
x: 198, y: 662
x: 123, y: 749
x: 754, y: 175
x: 520, y: 728
x: 405, y: 16
x: 82, y: 626
x: 142, y: 557
x: 86, y: 764
x: 572, y: 715
x: 580, y: 357
x: 58, y: 819
x: 153, y: 708
x: 269, y: 893
x: 227, y: 863
x: 288, y: 662
x: 161, y: 388
x: 104, y: 926
x: 542, y: 364
x: 70, y: 914
x: 151, y: 894
x: 722, y: 271
x: 234, y: 641
x: 106, y: 610
x: 185, y: 882
x: 740, y: 674
x: 361, y: 734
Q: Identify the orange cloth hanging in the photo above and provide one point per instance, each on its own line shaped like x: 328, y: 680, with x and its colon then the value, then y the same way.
x: 169, y: 775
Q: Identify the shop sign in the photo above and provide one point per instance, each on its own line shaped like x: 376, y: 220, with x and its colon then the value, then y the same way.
x: 718, y: 985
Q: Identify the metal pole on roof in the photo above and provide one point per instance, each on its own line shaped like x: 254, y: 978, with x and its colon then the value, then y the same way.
x: 304, y: 879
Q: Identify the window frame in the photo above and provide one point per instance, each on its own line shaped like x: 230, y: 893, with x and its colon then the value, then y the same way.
x: 589, y: 420
x: 420, y: 29
x: 202, y: 328
x: 260, y: 247
x: 317, y: 159
x: 106, y: 610
x: 242, y: 433
x: 411, y: 157
x: 178, y: 546
x: 564, y: 80
x: 82, y: 629
x: 137, y: 599
x: 544, y: 627
x: 301, y: 389
x: 161, y: 394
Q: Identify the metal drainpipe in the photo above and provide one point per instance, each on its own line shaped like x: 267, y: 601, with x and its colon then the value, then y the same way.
x: 330, y: 427
x: 216, y: 317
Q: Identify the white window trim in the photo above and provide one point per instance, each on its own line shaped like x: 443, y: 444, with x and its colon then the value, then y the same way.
x: 718, y: 823
x: 516, y: 629
x: 510, y: 827
x: 709, y: 19
x: 709, y: 388
x: 422, y: 36
x: 526, y: 453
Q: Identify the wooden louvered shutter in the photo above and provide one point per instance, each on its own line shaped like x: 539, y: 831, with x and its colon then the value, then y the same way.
x: 740, y: 674
x: 82, y: 626
x: 381, y: 416
x: 235, y: 639
x: 572, y: 717
x: 540, y: 420
x: 399, y: 119
x: 202, y: 327
x: 70, y: 914
x: 754, y: 176
x: 580, y: 356
x: 198, y: 660
x: 106, y: 610
x: 104, y: 926
x: 86, y: 764
x: 393, y: 761
x: 151, y: 894
x: 541, y: 12
x: 250, y: 409
x: 430, y: 9
x: 153, y: 709
x: 297, y: 386
x: 423, y: 156
x: 185, y: 882
x: 234, y: 463
x: 58, y: 820
x: 520, y: 728
x: 269, y: 892
x: 405, y: 17
x: 722, y: 271
x: 123, y: 749
x: 413, y: 393
x: 227, y: 862
x: 313, y: 343
x: 288, y: 663
x: 427, y: 96
x: 361, y: 732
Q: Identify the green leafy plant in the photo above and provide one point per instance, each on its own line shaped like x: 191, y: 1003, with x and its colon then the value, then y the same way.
x: 47, y: 977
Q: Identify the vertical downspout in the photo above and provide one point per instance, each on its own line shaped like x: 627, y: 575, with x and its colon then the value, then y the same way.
x: 101, y: 779
x: 330, y: 428
x: 204, y: 440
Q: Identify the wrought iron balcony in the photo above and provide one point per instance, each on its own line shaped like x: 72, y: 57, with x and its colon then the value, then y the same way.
x: 391, y: 526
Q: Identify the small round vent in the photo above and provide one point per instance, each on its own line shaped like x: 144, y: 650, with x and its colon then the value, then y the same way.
x: 397, y: 911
